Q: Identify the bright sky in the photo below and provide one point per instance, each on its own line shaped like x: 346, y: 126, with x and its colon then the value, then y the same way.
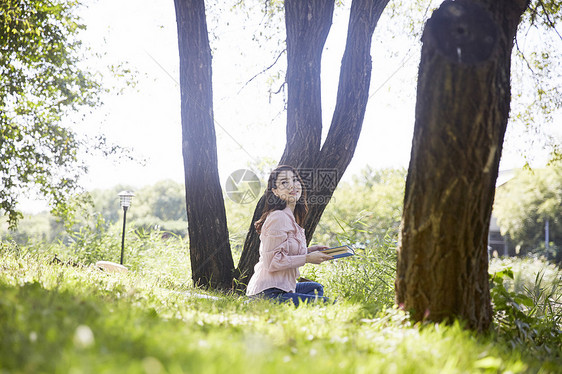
x: 249, y: 128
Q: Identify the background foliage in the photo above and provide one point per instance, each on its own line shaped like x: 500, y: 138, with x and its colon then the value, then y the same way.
x: 362, y: 211
x: 45, y: 84
x: 40, y: 82
x: 525, y: 203
x: 365, y: 211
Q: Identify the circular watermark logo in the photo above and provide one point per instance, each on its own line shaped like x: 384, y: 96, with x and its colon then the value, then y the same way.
x: 243, y: 186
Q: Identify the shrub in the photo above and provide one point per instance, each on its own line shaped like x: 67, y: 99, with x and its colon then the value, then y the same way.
x: 366, y: 278
x: 527, y: 311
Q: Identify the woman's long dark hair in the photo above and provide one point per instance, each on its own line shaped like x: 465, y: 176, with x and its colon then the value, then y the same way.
x: 273, y: 202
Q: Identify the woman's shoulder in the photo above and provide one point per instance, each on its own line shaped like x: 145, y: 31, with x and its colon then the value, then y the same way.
x: 276, y: 216
x: 277, y: 220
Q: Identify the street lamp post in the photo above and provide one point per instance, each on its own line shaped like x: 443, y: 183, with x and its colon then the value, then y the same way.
x: 546, y: 234
x: 126, y: 198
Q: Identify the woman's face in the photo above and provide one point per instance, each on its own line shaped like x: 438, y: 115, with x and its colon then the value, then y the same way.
x: 288, y: 188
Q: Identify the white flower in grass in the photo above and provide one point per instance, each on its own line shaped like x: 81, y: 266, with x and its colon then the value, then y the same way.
x: 83, y: 337
x: 152, y: 365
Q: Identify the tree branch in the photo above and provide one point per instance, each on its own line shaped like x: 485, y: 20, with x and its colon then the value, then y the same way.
x: 549, y: 21
x: 263, y: 71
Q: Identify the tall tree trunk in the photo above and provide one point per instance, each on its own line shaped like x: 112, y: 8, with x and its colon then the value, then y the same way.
x: 461, y: 117
x: 307, y: 24
x: 323, y: 168
x: 351, y: 103
x: 210, y: 254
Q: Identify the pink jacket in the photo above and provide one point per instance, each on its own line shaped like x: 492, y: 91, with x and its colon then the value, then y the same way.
x: 282, y: 251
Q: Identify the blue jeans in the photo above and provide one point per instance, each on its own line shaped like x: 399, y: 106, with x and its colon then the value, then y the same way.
x: 304, y: 291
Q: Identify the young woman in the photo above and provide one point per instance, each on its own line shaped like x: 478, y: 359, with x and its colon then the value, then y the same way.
x: 283, y: 243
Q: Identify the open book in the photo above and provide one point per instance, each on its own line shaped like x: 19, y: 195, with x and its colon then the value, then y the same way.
x: 339, y: 252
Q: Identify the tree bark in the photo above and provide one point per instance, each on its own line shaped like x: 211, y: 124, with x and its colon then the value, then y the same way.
x: 250, y: 253
x: 321, y: 169
x: 353, y: 93
x: 461, y: 116
x: 211, y: 258
x: 307, y: 24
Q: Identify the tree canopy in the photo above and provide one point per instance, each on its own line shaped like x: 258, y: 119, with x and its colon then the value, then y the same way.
x: 41, y: 82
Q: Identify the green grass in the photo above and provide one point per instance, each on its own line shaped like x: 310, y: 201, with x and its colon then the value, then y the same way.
x: 77, y: 319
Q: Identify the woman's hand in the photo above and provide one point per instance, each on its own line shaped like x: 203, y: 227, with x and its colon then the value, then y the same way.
x: 317, y: 257
x: 315, y: 248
